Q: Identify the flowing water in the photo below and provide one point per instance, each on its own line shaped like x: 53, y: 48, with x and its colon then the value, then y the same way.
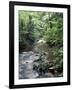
x: 26, y: 60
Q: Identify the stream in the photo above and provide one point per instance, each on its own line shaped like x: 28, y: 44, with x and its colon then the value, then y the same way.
x: 26, y: 60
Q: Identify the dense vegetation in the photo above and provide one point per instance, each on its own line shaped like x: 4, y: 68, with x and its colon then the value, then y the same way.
x: 46, y: 27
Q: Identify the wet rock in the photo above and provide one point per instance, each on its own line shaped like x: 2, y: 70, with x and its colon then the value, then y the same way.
x: 31, y: 52
x: 49, y: 74
x: 61, y: 75
x: 23, y: 53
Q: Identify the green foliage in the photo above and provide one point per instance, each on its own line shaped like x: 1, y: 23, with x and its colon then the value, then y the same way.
x: 48, y: 26
x: 26, y: 33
